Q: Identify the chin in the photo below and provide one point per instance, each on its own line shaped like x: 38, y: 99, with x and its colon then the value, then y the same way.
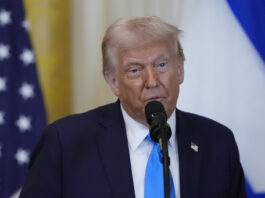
x: 169, y: 110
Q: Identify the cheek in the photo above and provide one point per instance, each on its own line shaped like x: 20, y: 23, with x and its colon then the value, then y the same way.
x: 131, y: 89
x: 171, y: 87
x: 173, y: 93
x: 170, y: 82
x: 134, y: 85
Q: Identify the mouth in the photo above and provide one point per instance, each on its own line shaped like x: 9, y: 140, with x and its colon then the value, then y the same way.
x: 155, y: 98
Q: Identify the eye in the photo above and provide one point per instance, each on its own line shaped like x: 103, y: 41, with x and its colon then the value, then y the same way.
x: 134, y: 72
x: 162, y: 64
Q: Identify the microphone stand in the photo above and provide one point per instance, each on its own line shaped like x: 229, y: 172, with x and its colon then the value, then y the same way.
x: 163, y: 141
x: 160, y: 132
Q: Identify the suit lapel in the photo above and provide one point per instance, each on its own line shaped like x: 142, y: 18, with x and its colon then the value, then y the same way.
x: 113, y: 149
x: 189, y: 158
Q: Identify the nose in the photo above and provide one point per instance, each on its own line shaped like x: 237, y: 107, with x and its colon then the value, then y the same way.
x: 151, y: 78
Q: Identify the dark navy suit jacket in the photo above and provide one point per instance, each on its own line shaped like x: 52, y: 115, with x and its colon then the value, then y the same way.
x: 86, y: 155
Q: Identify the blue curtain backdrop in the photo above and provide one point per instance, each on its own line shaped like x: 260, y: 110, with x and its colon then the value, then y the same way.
x: 251, y: 16
x: 224, y: 46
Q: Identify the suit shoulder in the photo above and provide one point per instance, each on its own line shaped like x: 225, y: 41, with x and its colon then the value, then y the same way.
x: 86, y: 123
x: 76, y: 129
x: 204, y: 125
x: 87, y: 117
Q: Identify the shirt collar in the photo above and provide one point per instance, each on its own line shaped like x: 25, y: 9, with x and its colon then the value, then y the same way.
x: 137, y: 132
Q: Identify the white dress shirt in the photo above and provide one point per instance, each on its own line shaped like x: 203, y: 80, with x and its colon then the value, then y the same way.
x: 140, y: 149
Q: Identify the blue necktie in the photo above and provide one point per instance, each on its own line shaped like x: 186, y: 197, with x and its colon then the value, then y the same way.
x: 154, y: 183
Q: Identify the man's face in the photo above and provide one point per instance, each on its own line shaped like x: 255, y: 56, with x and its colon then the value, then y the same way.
x: 146, y: 73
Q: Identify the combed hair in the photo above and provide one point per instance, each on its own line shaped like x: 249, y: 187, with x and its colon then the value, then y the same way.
x: 129, y: 32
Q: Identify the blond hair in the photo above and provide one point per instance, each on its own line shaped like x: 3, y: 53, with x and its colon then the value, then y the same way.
x: 129, y: 32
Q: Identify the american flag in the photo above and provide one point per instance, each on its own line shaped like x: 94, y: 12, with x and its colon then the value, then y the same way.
x: 22, y: 114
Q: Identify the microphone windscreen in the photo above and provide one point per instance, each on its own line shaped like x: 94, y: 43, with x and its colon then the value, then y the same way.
x: 152, y: 109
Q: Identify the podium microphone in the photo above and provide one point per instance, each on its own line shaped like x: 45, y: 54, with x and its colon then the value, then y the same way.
x: 160, y: 132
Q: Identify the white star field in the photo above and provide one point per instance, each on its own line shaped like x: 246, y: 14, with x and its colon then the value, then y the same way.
x: 27, y: 57
x: 26, y: 91
x: 2, y: 84
x: 5, y: 17
x: 2, y: 120
x: 25, y: 24
x: 22, y: 156
x: 23, y: 123
x: 4, y: 51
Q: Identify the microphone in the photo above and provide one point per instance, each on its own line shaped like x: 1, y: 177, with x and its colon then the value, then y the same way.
x: 160, y: 132
x: 157, y: 118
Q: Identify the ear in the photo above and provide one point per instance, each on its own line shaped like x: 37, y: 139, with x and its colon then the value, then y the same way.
x: 181, y: 70
x: 111, y: 79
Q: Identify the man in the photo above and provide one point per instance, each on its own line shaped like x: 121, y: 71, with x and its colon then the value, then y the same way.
x: 104, y: 152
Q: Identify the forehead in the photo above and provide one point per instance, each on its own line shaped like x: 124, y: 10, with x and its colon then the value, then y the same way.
x: 146, y: 52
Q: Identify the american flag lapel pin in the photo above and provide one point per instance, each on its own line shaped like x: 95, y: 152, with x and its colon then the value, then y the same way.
x: 194, y: 147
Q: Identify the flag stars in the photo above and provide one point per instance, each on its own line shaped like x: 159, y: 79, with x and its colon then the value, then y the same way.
x: 2, y: 120
x: 23, y: 123
x: 22, y: 156
x: 27, y: 57
x: 4, y: 51
x: 2, y: 84
x: 26, y: 91
x: 25, y: 24
x: 5, y: 17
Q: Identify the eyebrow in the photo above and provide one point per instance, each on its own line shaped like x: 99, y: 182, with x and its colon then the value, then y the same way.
x: 162, y: 56
x: 129, y: 64
x: 139, y: 63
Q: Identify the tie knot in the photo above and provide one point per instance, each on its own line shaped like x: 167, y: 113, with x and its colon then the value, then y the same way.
x: 156, y: 147
x: 150, y: 139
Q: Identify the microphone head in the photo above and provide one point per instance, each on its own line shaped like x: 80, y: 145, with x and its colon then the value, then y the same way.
x: 152, y: 109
